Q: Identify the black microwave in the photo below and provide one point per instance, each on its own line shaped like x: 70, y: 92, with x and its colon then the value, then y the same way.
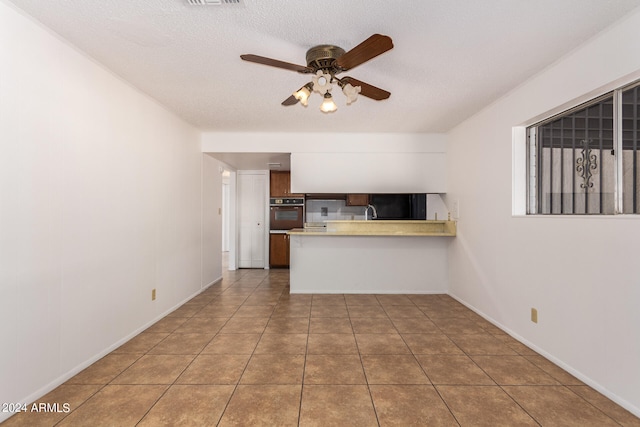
x: 400, y: 206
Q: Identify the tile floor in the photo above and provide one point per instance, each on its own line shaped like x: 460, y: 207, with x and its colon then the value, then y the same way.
x: 247, y: 353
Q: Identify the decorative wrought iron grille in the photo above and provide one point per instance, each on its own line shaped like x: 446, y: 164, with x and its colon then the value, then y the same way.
x: 585, y: 160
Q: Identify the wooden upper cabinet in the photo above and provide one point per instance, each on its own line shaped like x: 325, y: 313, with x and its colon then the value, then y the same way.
x: 357, y: 199
x: 280, y: 184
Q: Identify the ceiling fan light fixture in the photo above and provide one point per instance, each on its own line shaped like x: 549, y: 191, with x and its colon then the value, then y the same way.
x: 303, y: 93
x: 351, y: 92
x: 321, y: 82
x: 324, y: 63
x: 328, y: 106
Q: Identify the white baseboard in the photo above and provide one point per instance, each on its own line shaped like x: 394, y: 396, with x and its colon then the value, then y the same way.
x: 579, y: 375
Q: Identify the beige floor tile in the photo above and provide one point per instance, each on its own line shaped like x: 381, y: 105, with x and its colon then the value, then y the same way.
x: 404, y: 311
x: 298, y: 299
x: 282, y: 344
x: 71, y: 394
x: 185, y: 311
x: 217, y: 310
x: 484, y: 406
x: 367, y: 311
x: 215, y: 369
x: 232, y: 344
x: 388, y: 300
x: 431, y: 344
x: 336, y: 405
x: 557, y: 405
x: 554, y: 370
x: 457, y: 326
x: 329, y: 311
x: 481, y: 344
x: 274, y: 369
x: 381, y: 344
x: 333, y: 369
x: 453, y: 370
x: 415, y: 325
x: 361, y: 300
x: 419, y: 299
x: 167, y: 324
x: 116, y: 405
x: 393, y: 369
x: 206, y: 325
x: 189, y: 405
x: 247, y: 345
x: 291, y: 310
x: 267, y: 299
x: 263, y: 405
x: 154, y: 369
x: 327, y: 325
x: 105, y: 369
x: 333, y: 300
x: 332, y: 344
x: 254, y: 311
x: 606, y: 405
x: 363, y: 325
x: 513, y: 370
x: 203, y: 299
x: 142, y: 343
x: 228, y: 298
x: 245, y: 325
x: 288, y: 325
x: 441, y: 313
x: 410, y: 405
x: 514, y: 344
x: 182, y: 344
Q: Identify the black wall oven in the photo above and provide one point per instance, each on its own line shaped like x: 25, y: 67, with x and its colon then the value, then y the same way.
x: 286, y: 213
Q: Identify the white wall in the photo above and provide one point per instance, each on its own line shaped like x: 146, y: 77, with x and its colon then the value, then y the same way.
x: 369, y: 264
x: 212, y: 209
x: 348, y: 162
x: 100, y: 202
x: 387, y: 172
x: 579, y: 272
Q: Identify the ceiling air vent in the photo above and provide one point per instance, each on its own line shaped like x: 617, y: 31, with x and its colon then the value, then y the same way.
x: 213, y: 2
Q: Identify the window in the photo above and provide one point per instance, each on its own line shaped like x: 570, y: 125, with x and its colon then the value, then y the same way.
x: 585, y: 160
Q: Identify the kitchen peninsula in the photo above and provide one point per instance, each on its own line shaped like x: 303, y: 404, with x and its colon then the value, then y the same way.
x: 382, y: 257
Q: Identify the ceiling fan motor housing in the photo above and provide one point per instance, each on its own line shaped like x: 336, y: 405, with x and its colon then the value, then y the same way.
x: 323, y: 57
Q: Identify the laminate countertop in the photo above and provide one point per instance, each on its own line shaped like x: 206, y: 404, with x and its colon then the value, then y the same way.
x: 381, y: 228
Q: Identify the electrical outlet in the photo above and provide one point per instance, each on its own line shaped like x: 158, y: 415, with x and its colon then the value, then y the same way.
x: 534, y: 315
x: 153, y: 294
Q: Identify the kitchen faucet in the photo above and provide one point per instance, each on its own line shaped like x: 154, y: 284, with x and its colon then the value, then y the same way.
x: 374, y: 214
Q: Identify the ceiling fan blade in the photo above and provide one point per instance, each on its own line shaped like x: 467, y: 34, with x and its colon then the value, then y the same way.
x: 367, y: 90
x: 292, y: 100
x: 368, y: 49
x: 275, y: 63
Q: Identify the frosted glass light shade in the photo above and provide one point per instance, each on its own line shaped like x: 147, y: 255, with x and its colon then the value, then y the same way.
x: 351, y: 92
x: 328, y: 106
x: 302, y: 95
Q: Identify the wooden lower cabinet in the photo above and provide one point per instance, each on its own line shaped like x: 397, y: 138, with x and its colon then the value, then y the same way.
x: 279, y: 250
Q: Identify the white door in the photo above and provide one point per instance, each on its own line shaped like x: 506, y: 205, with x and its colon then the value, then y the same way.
x: 252, y: 205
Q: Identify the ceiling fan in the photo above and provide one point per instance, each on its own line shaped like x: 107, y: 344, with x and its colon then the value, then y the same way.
x: 324, y: 62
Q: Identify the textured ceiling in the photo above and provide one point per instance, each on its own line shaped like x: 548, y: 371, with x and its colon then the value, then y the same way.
x: 450, y: 58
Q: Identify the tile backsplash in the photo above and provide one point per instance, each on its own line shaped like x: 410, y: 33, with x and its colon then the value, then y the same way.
x: 325, y: 210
